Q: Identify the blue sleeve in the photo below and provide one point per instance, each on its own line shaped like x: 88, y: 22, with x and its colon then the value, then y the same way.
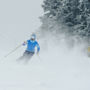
x: 38, y: 47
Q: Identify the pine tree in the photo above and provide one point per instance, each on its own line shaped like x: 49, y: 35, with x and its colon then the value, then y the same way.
x: 74, y: 14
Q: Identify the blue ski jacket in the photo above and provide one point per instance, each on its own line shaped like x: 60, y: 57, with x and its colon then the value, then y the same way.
x: 31, y: 46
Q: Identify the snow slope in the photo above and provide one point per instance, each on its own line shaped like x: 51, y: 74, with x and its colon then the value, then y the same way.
x: 57, y: 67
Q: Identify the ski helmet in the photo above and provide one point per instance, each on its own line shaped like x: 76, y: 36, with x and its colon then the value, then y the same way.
x: 33, y: 36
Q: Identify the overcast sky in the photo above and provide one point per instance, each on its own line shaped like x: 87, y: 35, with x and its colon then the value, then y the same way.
x: 18, y: 18
x: 19, y: 11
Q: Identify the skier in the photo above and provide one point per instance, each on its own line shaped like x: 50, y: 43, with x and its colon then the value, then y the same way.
x: 31, y: 45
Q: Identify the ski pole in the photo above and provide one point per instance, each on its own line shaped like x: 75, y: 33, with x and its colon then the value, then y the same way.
x: 39, y: 58
x: 13, y: 50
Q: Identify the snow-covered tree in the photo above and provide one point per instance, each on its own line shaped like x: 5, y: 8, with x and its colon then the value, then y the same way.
x: 75, y: 14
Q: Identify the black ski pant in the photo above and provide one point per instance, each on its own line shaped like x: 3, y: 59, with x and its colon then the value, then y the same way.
x: 27, y: 55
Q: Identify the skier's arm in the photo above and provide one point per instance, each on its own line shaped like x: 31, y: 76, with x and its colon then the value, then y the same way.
x: 38, y: 48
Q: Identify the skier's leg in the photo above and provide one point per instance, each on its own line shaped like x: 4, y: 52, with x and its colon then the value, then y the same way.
x: 29, y: 56
x: 23, y: 56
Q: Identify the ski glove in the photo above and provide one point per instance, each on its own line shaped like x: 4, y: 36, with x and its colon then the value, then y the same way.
x: 24, y: 43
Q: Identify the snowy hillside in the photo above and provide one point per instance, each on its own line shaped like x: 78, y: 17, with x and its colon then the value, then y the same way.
x: 56, y: 68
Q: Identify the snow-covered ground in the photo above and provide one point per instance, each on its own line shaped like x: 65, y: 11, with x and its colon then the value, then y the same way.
x: 57, y: 67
